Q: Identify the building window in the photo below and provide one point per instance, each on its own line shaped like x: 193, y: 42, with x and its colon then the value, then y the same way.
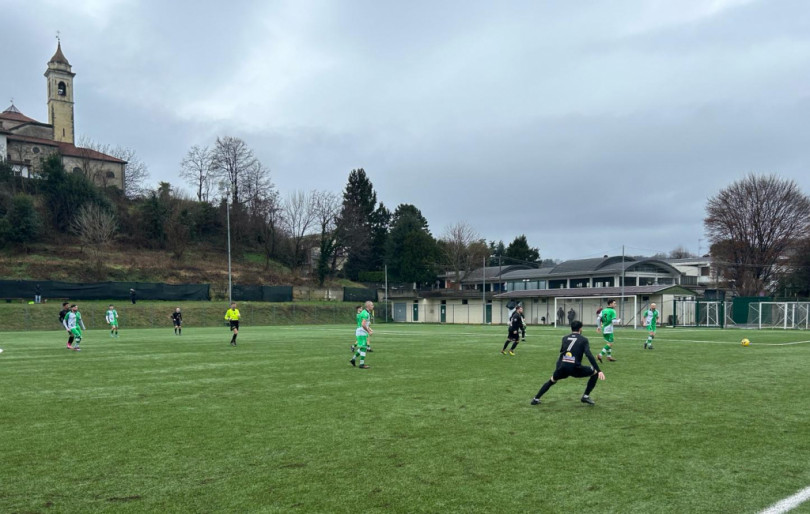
x: 61, y: 89
x: 77, y: 170
x: 35, y: 149
x: 110, y: 174
x: 463, y: 302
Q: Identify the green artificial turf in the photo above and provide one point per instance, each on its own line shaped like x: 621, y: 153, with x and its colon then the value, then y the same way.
x: 152, y: 422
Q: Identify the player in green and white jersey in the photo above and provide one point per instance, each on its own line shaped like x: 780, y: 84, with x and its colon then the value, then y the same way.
x: 650, y: 319
x: 74, y: 324
x: 362, y: 332
x: 357, y: 321
x: 112, y: 320
x: 607, y: 318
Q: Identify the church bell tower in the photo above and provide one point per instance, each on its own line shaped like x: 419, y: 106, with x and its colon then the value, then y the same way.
x: 60, y: 96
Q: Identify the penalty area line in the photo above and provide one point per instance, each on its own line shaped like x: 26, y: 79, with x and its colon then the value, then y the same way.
x: 789, y: 503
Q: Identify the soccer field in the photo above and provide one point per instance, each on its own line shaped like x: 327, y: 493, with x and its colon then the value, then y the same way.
x: 441, y: 422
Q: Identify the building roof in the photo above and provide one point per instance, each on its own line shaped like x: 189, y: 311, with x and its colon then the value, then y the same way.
x: 580, y: 266
x: 31, y: 139
x: 587, y: 267
x: 14, y: 114
x: 597, y: 292
x: 86, y: 153
x: 490, y: 273
x: 67, y: 149
x: 527, y: 273
x: 59, y: 57
x: 690, y: 260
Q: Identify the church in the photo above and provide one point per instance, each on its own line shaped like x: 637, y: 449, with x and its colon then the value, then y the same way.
x: 25, y: 143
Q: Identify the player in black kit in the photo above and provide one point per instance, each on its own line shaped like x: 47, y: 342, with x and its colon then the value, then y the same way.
x: 569, y: 364
x: 62, y: 314
x: 515, y: 324
x: 177, y: 318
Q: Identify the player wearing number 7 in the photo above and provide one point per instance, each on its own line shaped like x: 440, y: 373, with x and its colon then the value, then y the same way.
x: 569, y: 364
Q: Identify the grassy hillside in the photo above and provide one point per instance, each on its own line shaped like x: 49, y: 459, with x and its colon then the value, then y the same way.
x: 199, y: 265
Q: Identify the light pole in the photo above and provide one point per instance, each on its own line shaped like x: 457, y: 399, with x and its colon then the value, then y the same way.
x: 228, y: 218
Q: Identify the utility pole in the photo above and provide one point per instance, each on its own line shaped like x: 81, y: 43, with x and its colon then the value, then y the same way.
x: 228, y: 216
x: 484, y: 292
x: 621, y: 310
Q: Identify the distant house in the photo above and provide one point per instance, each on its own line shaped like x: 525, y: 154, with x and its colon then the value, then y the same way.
x: 25, y: 142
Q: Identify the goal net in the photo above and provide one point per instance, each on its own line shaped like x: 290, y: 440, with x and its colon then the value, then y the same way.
x: 585, y: 307
x: 694, y: 313
x: 783, y: 315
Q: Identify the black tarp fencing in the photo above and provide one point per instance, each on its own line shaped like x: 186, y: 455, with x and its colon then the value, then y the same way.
x: 359, y: 294
x: 241, y: 293
x: 103, y: 290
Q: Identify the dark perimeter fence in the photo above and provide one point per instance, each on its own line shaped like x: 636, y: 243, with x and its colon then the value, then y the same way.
x: 103, y: 290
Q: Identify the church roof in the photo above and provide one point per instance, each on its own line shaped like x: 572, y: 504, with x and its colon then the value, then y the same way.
x: 14, y: 114
x: 59, y: 57
x: 86, y: 153
x: 68, y: 149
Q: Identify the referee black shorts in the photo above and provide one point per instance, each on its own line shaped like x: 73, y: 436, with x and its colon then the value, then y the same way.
x: 572, y: 370
x: 235, y: 324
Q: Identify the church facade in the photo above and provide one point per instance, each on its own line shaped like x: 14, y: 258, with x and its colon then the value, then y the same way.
x: 25, y: 143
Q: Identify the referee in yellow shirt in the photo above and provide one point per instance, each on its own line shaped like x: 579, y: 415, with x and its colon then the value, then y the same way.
x: 233, y: 317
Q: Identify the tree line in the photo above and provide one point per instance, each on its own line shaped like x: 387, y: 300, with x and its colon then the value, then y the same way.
x: 351, y: 235
x: 757, y: 226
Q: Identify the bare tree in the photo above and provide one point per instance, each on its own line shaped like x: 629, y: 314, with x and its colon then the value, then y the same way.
x: 257, y: 187
x: 680, y: 253
x: 136, y: 172
x: 751, y: 224
x: 327, y: 206
x: 231, y: 158
x: 91, y: 166
x: 197, y: 168
x: 269, y: 214
x: 299, y: 219
x: 96, y: 228
x: 456, y: 244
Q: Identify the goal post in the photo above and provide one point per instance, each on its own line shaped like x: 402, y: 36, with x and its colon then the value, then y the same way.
x: 698, y: 313
x: 585, y: 308
x: 784, y: 315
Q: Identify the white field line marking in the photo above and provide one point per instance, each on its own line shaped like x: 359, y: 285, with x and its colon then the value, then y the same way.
x: 789, y: 503
x: 730, y: 342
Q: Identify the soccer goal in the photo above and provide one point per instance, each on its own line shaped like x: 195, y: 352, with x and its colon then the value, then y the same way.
x: 694, y: 313
x: 585, y: 308
x: 785, y: 315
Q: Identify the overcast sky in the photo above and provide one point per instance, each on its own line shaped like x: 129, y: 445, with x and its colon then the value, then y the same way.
x: 583, y: 125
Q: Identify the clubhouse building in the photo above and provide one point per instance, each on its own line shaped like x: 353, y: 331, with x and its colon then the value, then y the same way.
x: 553, y: 295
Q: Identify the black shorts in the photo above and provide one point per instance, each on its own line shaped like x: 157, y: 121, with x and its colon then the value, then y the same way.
x: 235, y: 324
x: 177, y: 323
x: 514, y: 335
x: 572, y: 370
